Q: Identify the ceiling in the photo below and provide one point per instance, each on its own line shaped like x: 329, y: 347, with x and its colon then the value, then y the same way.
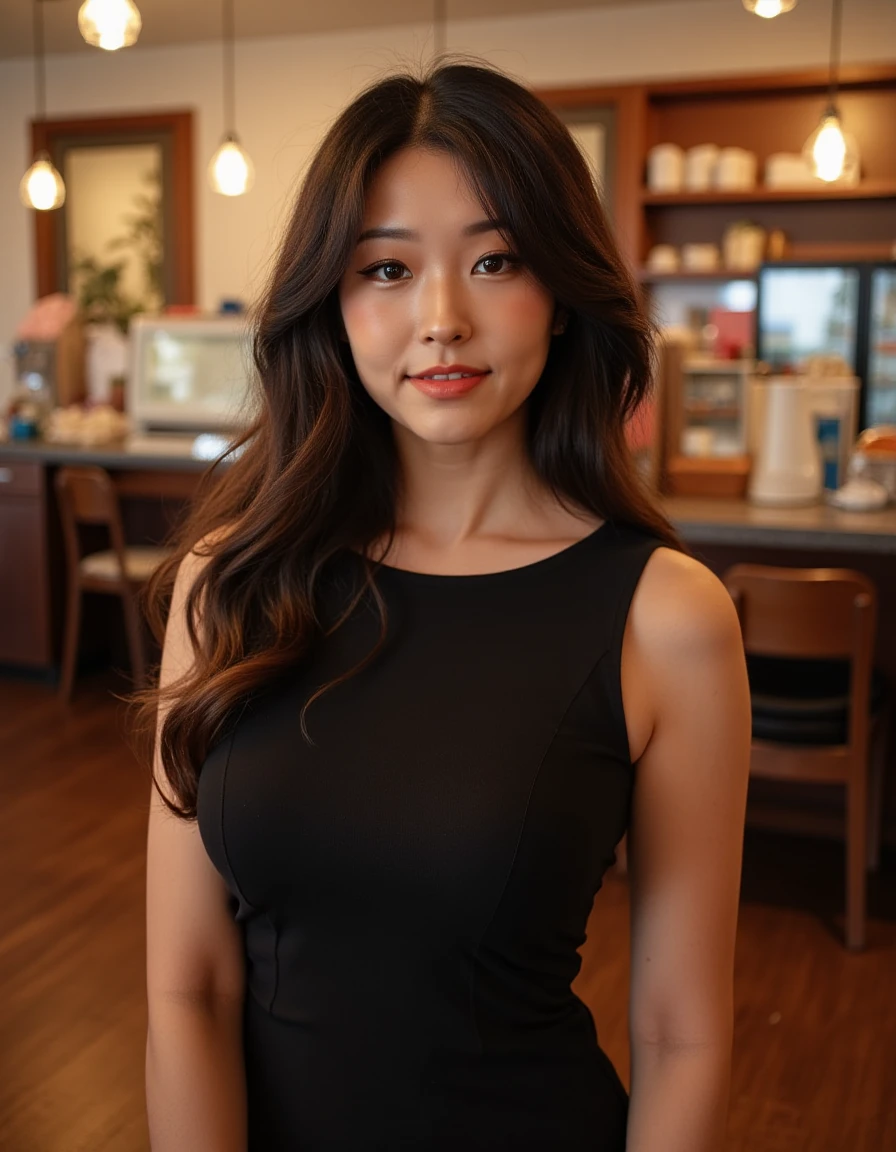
x: 192, y: 21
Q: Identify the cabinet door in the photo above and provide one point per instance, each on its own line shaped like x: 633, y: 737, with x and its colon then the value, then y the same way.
x: 25, y: 625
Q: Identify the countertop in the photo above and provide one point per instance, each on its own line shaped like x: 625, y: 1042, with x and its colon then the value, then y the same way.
x: 716, y: 521
x: 700, y: 520
x: 157, y: 452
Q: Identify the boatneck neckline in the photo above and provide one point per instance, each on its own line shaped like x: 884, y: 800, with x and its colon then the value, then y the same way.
x: 551, y: 561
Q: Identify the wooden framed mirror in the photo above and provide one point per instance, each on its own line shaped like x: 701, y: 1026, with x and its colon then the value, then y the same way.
x: 129, y: 196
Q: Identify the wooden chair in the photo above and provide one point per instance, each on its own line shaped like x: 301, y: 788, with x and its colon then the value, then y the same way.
x: 817, y: 616
x: 87, y: 496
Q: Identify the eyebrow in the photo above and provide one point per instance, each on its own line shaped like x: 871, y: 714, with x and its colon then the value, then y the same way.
x: 408, y: 234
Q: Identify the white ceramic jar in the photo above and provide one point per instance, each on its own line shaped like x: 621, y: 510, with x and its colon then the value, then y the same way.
x: 699, y: 167
x: 735, y: 170
x: 665, y: 168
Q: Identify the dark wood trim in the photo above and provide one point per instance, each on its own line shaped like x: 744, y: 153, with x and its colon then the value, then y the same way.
x: 582, y: 97
x: 810, y: 80
x: 867, y: 190
x: 180, y: 125
x: 632, y: 137
x: 184, y: 269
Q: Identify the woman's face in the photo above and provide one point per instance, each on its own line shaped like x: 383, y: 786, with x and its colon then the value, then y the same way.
x: 433, y: 289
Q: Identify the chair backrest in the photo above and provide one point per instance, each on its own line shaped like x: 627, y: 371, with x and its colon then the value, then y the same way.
x: 814, y: 613
x: 810, y: 612
x: 86, y: 495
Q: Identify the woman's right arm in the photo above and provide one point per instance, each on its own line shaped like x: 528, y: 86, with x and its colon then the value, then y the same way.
x: 195, y: 1079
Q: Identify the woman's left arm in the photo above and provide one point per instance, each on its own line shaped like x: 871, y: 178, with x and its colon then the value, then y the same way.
x: 685, y: 682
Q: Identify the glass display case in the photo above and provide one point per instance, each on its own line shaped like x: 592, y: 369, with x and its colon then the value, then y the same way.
x: 808, y: 310
x: 189, y: 374
x: 707, y: 434
x: 847, y: 310
x: 714, y: 408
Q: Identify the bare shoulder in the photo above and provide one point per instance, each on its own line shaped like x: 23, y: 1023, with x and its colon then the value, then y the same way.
x: 681, y: 608
x: 682, y: 634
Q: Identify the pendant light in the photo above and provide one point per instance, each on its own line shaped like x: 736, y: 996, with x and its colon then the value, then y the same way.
x: 769, y: 9
x: 230, y: 171
x: 109, y: 24
x: 829, y: 150
x: 42, y: 186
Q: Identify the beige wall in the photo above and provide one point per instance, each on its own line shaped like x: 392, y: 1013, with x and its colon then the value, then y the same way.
x: 289, y: 89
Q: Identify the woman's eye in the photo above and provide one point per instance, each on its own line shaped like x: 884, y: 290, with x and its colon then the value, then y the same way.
x: 497, y: 262
x: 388, y: 270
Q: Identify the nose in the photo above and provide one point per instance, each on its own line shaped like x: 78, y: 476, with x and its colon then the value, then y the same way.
x: 444, y: 314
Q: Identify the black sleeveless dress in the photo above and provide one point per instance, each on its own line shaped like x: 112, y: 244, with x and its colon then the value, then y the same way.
x: 413, y: 888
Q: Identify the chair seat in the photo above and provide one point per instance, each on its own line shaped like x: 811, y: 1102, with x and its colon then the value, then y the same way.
x: 804, y: 701
x: 140, y: 563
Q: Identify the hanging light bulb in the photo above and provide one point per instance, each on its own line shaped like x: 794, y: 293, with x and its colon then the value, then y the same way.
x: 768, y: 9
x: 42, y: 186
x: 230, y: 170
x: 830, y: 151
x: 109, y: 24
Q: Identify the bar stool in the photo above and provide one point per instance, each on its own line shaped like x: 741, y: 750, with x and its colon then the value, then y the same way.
x: 87, y: 496
x: 809, y: 638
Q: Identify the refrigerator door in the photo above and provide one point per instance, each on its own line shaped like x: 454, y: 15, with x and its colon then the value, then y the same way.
x: 880, y: 380
x: 807, y: 310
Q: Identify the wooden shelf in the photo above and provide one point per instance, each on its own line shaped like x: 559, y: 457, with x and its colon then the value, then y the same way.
x: 871, y: 190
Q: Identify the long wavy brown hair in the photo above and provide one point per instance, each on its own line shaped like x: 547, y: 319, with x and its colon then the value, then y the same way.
x: 317, y: 473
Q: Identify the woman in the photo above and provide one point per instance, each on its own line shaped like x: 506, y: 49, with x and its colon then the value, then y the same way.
x: 430, y: 652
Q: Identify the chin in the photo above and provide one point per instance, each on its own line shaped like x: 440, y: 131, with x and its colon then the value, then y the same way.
x: 448, y: 431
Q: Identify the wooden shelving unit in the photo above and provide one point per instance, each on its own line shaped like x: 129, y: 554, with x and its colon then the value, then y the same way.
x: 764, y: 114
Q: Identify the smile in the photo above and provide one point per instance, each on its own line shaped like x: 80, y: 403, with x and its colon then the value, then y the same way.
x: 448, y: 385
x: 452, y: 376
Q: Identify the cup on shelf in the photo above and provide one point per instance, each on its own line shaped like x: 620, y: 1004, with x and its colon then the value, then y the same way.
x: 700, y: 257
x: 665, y: 168
x: 789, y: 170
x: 699, y: 166
x: 735, y: 170
x: 663, y: 258
x: 743, y: 246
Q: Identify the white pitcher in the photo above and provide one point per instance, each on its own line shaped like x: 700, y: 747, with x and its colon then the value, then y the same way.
x: 787, y: 471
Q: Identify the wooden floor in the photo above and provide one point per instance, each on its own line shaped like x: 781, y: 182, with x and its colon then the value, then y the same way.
x: 815, y: 1052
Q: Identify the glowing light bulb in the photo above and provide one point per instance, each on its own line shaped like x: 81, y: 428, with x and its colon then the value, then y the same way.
x: 769, y: 9
x: 231, y: 171
x: 42, y: 186
x: 831, y: 152
x: 829, y: 149
x: 109, y: 24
